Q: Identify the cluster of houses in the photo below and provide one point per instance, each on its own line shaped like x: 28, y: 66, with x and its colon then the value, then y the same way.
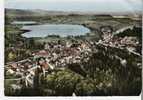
x: 54, y: 55
x: 23, y: 72
x: 19, y: 68
x: 128, y: 42
x: 61, y: 54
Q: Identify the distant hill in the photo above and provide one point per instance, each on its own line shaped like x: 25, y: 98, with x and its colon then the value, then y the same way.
x: 14, y: 12
x: 35, y: 12
x: 39, y: 12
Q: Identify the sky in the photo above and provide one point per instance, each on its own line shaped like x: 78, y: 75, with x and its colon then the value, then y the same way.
x: 78, y: 5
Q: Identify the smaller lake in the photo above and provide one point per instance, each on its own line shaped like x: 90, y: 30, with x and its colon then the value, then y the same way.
x: 62, y: 30
x: 23, y: 22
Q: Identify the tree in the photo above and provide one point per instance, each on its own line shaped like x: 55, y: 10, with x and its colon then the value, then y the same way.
x: 62, y: 83
x: 11, y: 56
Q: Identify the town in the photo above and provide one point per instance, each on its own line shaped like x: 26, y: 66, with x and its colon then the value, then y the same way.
x: 104, y: 61
x: 60, y: 54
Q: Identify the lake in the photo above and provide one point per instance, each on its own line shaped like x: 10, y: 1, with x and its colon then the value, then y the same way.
x: 62, y: 30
